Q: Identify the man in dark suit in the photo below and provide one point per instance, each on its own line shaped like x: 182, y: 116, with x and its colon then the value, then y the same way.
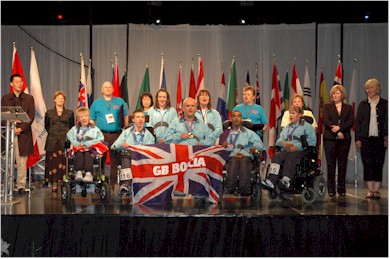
x: 23, y: 135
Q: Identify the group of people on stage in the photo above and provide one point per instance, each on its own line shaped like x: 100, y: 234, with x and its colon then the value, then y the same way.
x: 202, y: 125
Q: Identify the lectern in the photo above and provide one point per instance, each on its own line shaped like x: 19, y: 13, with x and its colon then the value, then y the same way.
x: 10, y: 115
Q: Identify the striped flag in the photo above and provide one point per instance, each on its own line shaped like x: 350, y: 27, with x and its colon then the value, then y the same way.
x: 82, y: 100
x: 323, y: 99
x: 179, y: 100
x: 89, y: 84
x: 38, y: 130
x: 18, y: 69
x: 192, y: 92
x: 163, y: 83
x: 275, y: 111
x: 307, y: 89
x: 296, y: 87
x: 286, y: 93
x: 200, y: 85
x: 221, y: 104
x: 338, y: 78
x: 232, y: 89
x: 115, y: 78
x: 258, y: 95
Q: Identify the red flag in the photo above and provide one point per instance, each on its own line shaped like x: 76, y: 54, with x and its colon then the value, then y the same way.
x: 192, y: 92
x: 115, y: 78
x: 17, y: 69
x: 179, y: 105
x: 82, y: 100
x: 200, y: 85
x: 275, y: 110
x: 296, y: 87
x: 323, y: 99
x: 338, y: 78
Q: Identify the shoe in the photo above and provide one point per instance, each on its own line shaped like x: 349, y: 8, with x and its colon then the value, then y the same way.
x: 88, y: 178
x: 342, y: 194
x: 79, y: 176
x: 370, y: 195
x: 286, y: 181
x: 177, y: 193
x: 267, y: 183
x: 124, y: 188
x: 331, y: 194
x: 377, y: 195
x: 21, y: 191
x: 54, y: 187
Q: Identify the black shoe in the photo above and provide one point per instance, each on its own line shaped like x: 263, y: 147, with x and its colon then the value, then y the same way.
x: 22, y: 191
x: 331, y: 194
x: 342, y: 194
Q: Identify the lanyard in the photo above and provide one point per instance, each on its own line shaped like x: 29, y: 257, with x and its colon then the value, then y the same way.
x: 248, y: 112
x: 189, y: 127
x: 290, y: 132
x: 141, y: 134
x: 108, y: 104
x: 233, y: 141
x: 204, y: 115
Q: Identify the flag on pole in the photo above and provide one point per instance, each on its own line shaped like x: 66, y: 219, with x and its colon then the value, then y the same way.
x: 275, y: 111
x: 338, y: 78
x: 258, y: 95
x: 38, y: 125
x: 192, y: 92
x: 163, y: 83
x: 352, y: 101
x: 307, y: 89
x: 124, y: 93
x: 232, y: 89
x: 286, y: 94
x: 200, y: 85
x: 18, y: 69
x: 145, y: 87
x: 115, y: 78
x: 221, y: 104
x: 247, y: 80
x: 323, y: 99
x: 89, y: 84
x: 82, y: 100
x: 296, y: 87
x: 179, y: 100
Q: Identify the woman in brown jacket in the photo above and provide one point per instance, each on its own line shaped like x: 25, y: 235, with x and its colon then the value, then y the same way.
x: 58, y: 121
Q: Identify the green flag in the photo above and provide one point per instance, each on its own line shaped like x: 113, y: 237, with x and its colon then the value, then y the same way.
x: 286, y: 94
x: 123, y: 87
x: 232, y: 89
x: 145, y: 87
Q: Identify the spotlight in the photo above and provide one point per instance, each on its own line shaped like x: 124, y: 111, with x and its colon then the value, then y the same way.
x: 367, y: 16
x: 60, y: 17
x: 158, y: 21
x: 242, y: 21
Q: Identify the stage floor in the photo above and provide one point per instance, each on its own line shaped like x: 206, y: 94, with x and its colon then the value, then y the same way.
x: 43, y: 201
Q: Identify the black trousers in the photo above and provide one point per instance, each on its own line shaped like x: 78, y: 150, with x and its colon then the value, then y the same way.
x: 336, y: 151
x: 373, y: 156
x: 83, y: 161
x: 239, y: 168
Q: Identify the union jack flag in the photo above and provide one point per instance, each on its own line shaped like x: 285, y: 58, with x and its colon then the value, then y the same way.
x: 160, y: 169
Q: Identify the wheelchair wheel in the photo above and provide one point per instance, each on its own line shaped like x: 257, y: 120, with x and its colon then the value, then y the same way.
x: 309, y: 195
x: 105, y: 192
x: 273, y: 194
x: 256, y: 194
x: 65, y: 192
x: 319, y: 186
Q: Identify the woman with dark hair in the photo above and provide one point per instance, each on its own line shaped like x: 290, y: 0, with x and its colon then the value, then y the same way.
x: 58, y: 121
x: 161, y: 115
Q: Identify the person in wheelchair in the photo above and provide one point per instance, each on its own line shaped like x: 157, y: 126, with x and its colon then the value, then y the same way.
x: 243, y: 143
x: 283, y: 163
x: 85, y: 139
x: 135, y: 135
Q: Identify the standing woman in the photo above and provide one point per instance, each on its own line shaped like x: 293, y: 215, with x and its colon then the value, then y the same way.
x: 371, y: 136
x: 209, y: 116
x: 161, y: 115
x: 338, y: 120
x: 58, y: 121
x: 147, y: 104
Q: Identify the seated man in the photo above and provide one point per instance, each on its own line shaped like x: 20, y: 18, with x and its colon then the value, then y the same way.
x: 135, y: 135
x: 188, y: 129
x: 283, y: 164
x: 243, y: 142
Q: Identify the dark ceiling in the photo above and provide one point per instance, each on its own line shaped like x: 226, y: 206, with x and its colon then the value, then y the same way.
x: 191, y: 12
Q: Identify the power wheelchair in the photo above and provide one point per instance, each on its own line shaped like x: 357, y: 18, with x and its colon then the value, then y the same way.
x: 258, y: 170
x: 71, y: 186
x: 308, y: 179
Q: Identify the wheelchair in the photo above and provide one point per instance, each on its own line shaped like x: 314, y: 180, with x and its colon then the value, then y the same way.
x: 308, y: 179
x: 258, y: 170
x: 70, y: 186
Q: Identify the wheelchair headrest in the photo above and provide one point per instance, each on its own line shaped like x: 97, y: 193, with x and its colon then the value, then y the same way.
x: 226, y: 124
x: 308, y: 119
x: 247, y: 124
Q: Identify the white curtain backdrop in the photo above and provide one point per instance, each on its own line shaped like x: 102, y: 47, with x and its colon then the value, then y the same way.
x: 320, y: 44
